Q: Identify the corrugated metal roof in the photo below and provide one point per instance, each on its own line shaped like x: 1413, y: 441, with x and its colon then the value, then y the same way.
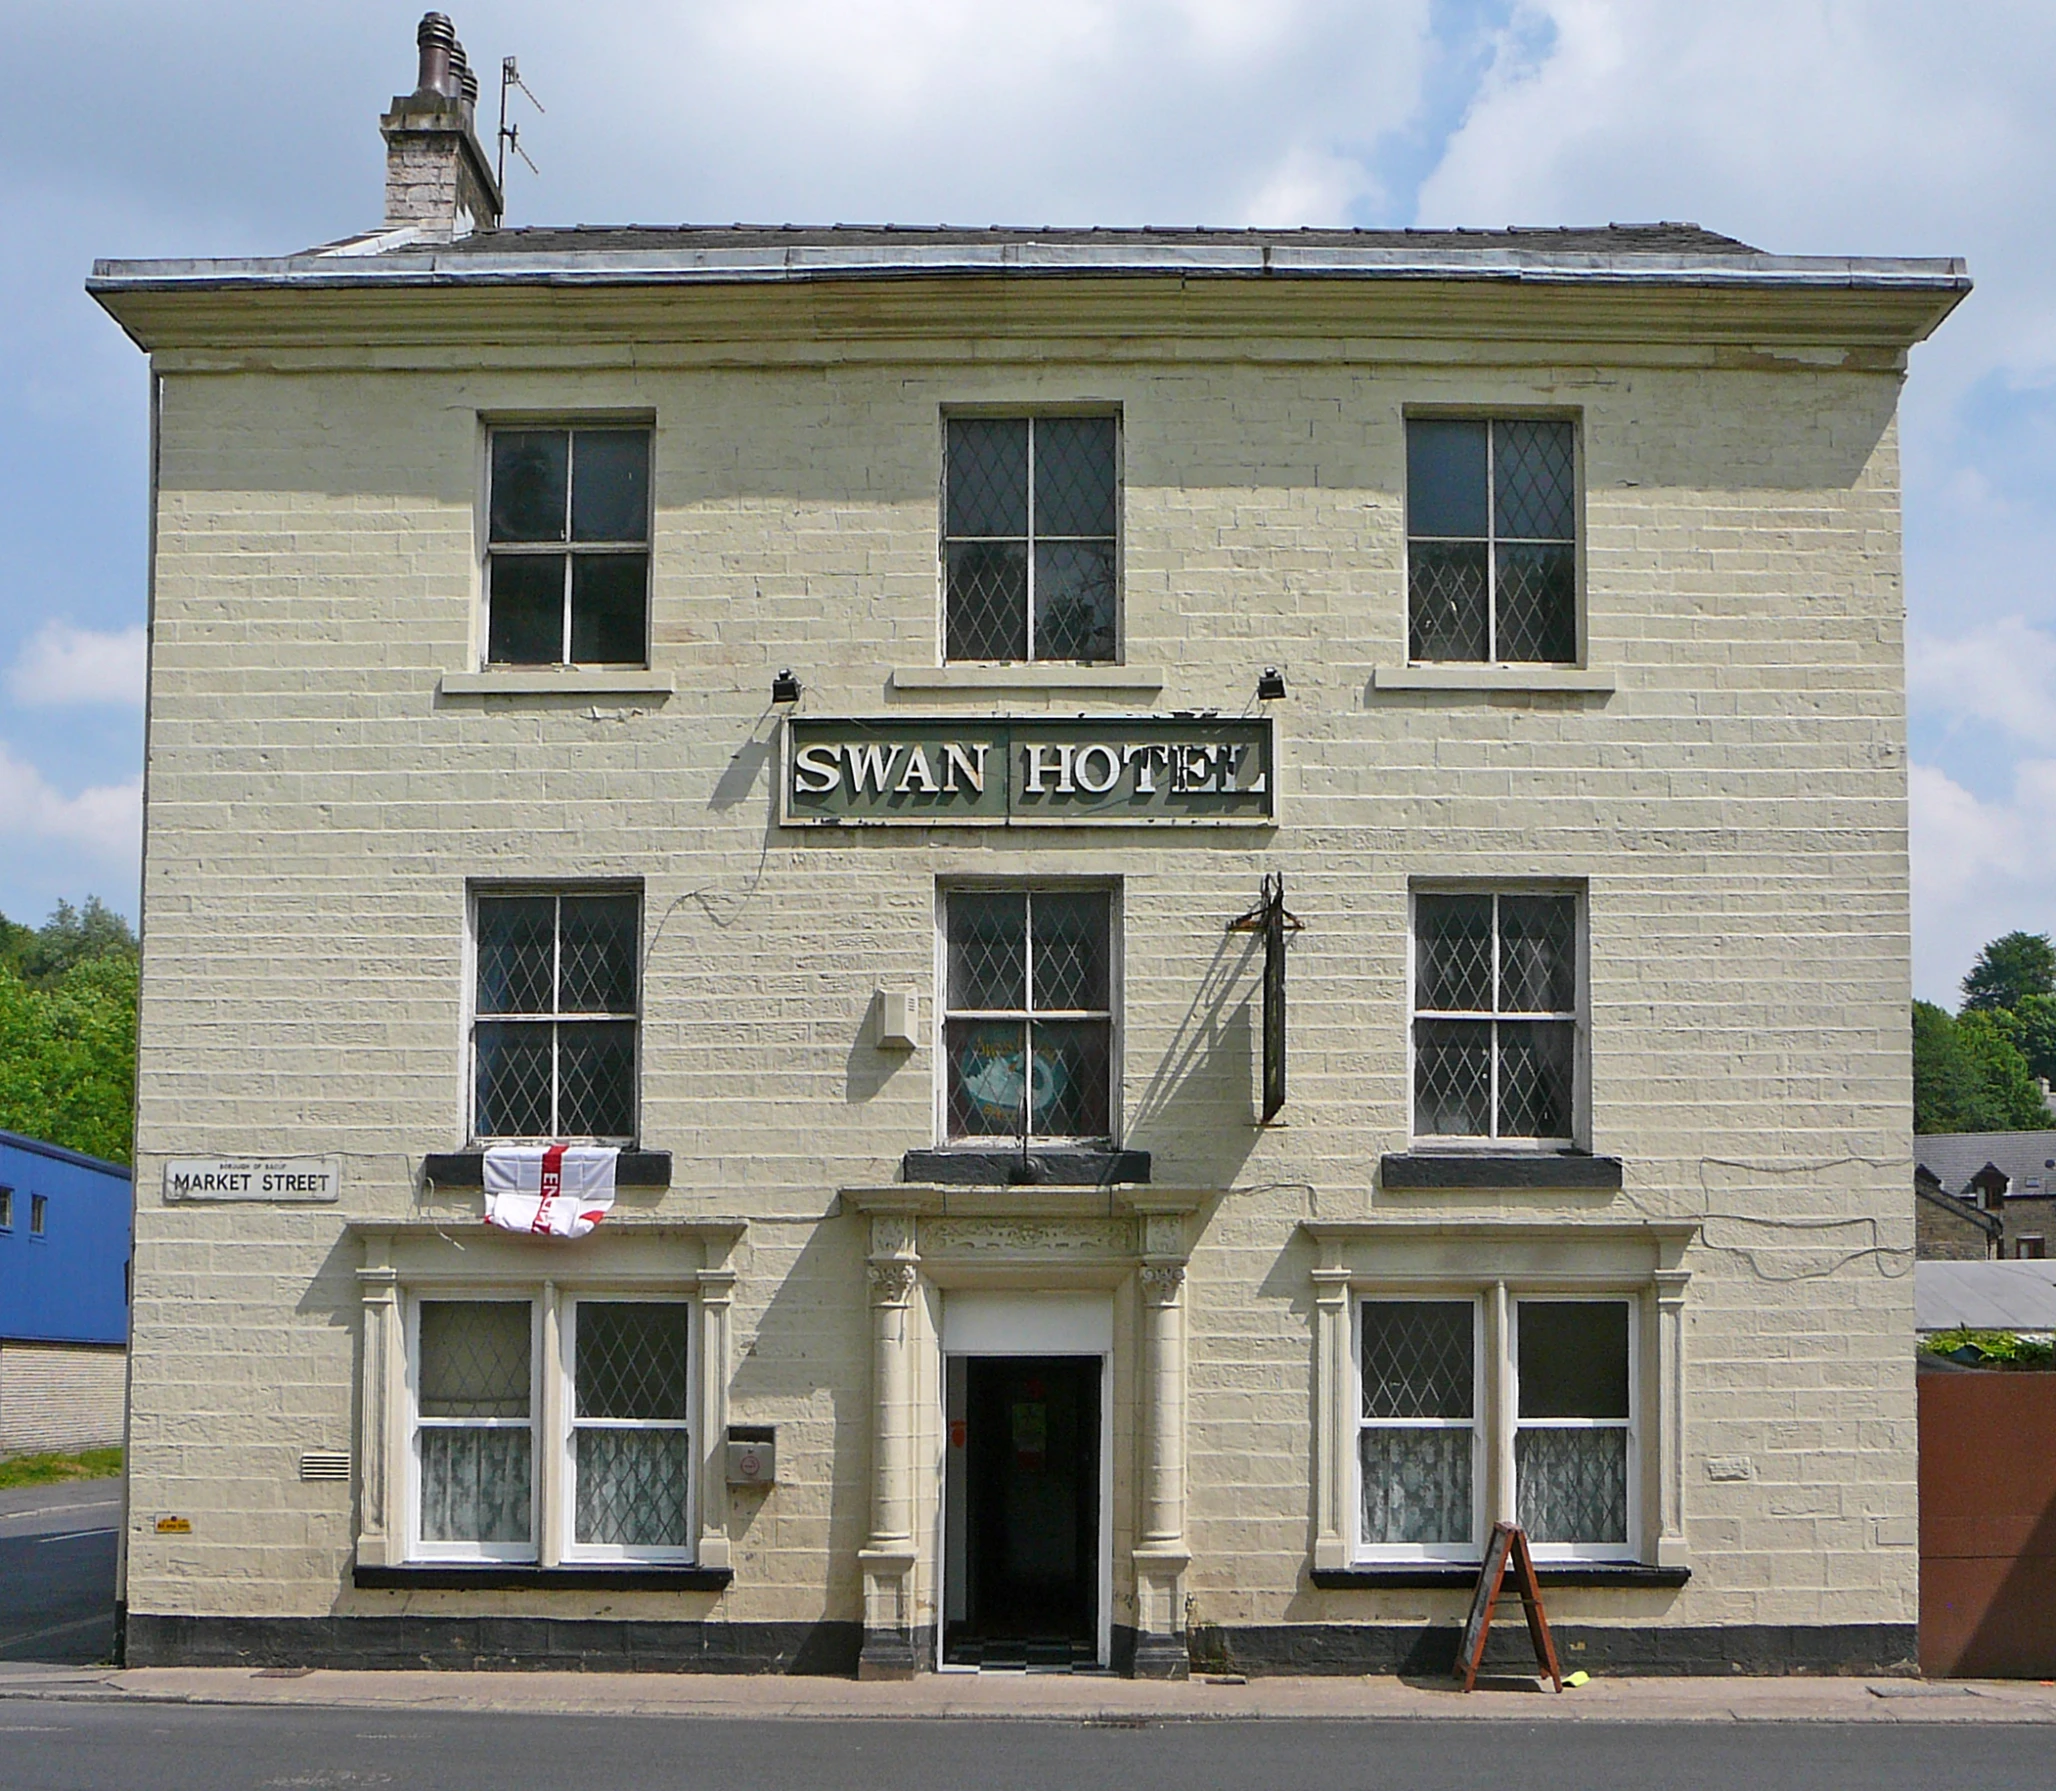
x: 1985, y: 1296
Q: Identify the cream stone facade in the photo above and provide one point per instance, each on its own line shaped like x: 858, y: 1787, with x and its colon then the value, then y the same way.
x: 1716, y: 784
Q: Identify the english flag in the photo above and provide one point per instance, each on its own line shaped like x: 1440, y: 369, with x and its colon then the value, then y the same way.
x: 553, y: 1190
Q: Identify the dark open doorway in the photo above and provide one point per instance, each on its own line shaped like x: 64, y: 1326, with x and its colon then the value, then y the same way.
x: 1024, y: 1523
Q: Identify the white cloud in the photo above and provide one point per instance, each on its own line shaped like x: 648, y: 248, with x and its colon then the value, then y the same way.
x: 62, y: 664
x: 106, y: 821
x: 1980, y: 869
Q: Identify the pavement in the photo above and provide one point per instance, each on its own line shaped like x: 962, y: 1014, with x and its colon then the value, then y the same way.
x: 1081, y: 1698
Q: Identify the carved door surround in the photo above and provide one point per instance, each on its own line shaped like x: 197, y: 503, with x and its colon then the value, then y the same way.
x: 924, y: 1240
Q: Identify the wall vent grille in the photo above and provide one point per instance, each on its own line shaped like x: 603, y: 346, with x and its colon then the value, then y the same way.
x: 325, y: 1464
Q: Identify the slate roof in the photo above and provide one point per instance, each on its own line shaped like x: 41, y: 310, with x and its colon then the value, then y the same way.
x: 2028, y: 1159
x: 1603, y: 239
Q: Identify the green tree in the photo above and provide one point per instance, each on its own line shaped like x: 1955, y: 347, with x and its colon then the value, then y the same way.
x: 1969, y: 1077
x: 68, y: 1030
x: 2010, y: 970
x: 2032, y: 1029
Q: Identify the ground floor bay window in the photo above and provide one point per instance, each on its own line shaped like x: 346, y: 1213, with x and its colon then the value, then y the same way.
x: 512, y: 1423
x: 623, y: 1437
x: 1544, y: 1387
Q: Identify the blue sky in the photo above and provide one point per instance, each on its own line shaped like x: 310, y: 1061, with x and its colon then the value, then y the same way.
x: 1805, y: 126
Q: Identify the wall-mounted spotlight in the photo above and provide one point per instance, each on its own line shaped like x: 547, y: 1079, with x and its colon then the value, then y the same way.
x: 785, y: 688
x: 1270, y: 685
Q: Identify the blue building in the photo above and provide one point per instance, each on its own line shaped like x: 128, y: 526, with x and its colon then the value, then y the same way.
x: 64, y: 1297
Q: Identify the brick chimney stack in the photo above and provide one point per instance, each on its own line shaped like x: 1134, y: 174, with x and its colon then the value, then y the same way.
x: 437, y: 177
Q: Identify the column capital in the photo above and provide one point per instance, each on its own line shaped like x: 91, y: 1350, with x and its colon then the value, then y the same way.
x: 892, y: 1281
x: 1162, y: 1281
x: 717, y: 1286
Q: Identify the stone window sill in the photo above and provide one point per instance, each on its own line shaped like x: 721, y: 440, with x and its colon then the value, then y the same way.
x: 557, y: 681
x: 1424, y: 1171
x: 1530, y: 680
x: 1398, y: 1576
x: 466, y: 1169
x: 1048, y: 1167
x: 493, y: 1576
x: 1030, y: 680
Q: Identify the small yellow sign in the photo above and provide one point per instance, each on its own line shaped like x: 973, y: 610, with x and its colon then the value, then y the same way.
x: 174, y: 1526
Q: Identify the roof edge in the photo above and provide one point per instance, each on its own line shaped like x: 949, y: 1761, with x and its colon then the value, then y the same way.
x: 60, y: 1154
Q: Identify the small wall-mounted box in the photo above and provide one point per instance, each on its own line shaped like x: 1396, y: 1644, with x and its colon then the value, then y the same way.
x: 899, y: 1014
x: 752, y: 1454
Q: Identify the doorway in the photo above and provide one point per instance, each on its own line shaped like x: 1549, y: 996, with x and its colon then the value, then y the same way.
x: 1022, y: 1511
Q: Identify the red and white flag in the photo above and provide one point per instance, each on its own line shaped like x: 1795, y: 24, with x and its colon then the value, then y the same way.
x: 549, y: 1190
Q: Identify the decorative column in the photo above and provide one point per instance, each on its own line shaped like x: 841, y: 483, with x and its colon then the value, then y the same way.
x: 1161, y: 1556
x: 717, y: 1294
x: 1334, y: 1443
x: 379, y: 1400
x: 1500, y: 1400
x: 1671, y: 1548
x: 553, y: 1435
x: 888, y: 1559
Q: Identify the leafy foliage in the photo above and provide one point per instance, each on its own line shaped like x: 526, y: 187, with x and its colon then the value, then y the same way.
x: 1991, y: 1349
x: 1968, y: 1076
x: 2008, y: 971
x: 68, y: 1030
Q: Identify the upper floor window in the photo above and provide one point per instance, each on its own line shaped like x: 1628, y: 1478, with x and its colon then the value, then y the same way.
x: 6, y: 1209
x: 568, y: 547
x: 1491, y: 539
x: 553, y: 1038
x: 39, y: 1215
x: 1030, y: 538
x: 1029, y: 1013
x: 1496, y: 1000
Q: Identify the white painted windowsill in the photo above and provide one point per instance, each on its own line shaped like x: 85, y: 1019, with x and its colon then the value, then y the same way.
x: 1109, y: 680
x: 1525, y: 678
x: 551, y: 681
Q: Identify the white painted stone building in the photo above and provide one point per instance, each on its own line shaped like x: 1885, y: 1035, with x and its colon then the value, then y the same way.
x: 768, y: 698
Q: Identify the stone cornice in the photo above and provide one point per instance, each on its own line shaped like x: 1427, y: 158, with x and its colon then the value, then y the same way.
x: 290, y: 316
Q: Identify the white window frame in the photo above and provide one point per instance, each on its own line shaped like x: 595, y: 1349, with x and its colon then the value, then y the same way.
x: 491, y: 426
x: 1578, y: 1016
x: 942, y: 1013
x: 1479, y: 1426
x: 419, y: 1548
x: 552, y: 1423
x: 569, y: 1547
x: 1495, y: 1424
x: 1625, y: 1550
x: 489, y: 891
x: 1031, y: 415
x: 1492, y: 418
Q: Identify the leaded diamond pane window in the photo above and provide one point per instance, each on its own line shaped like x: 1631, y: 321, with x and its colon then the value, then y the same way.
x: 1491, y: 526
x: 1417, y: 1445
x: 1496, y: 1029
x: 474, y: 1435
x: 1028, y: 1014
x: 567, y: 570
x: 1573, y: 1444
x: 554, y: 1038
x: 631, y: 1428
x: 1030, y: 537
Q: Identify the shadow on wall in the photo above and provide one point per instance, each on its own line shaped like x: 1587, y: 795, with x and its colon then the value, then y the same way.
x: 1197, y: 1113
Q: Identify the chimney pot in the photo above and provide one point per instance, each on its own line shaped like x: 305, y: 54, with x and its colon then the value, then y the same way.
x: 466, y: 82
x: 436, y: 38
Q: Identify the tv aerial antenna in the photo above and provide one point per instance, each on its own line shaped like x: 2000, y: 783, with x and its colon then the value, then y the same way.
x: 510, y: 134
